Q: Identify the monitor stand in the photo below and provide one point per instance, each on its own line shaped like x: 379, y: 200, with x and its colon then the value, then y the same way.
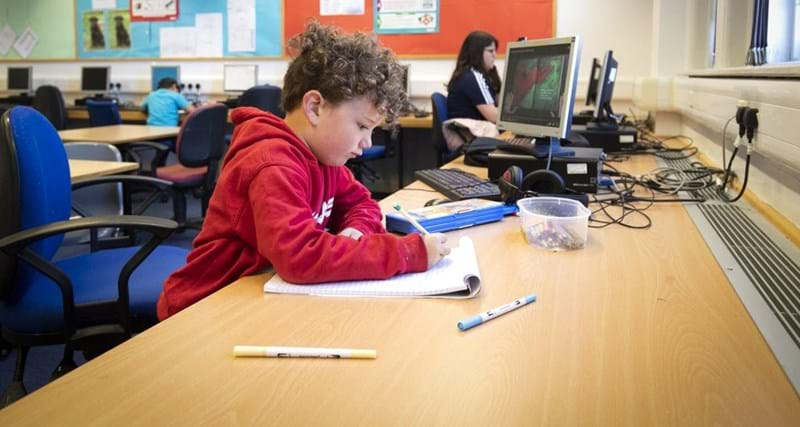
x: 544, y: 147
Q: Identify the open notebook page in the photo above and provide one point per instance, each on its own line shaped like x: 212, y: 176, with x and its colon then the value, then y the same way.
x: 455, y: 276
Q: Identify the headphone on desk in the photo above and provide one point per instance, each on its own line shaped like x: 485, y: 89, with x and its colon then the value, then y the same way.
x: 515, y: 185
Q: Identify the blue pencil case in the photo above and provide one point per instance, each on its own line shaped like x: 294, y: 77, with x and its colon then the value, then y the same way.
x: 448, y: 216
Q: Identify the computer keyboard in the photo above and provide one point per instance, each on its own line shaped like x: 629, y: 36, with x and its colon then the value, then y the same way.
x: 457, y: 184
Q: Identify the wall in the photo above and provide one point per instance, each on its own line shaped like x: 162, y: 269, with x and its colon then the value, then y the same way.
x: 702, y: 104
x: 630, y: 43
x: 706, y: 104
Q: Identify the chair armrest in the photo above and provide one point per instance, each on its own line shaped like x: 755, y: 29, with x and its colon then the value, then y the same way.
x: 162, y: 151
x: 158, y: 226
x: 148, y: 144
x: 16, y: 246
x: 159, y: 184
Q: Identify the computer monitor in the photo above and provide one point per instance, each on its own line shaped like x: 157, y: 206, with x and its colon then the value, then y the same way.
x: 158, y: 72
x: 603, y: 114
x: 406, y: 81
x: 20, y: 79
x: 239, y: 77
x: 594, y: 76
x: 538, y: 91
x: 94, y: 79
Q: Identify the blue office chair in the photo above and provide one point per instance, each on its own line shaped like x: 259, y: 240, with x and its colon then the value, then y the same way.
x: 439, y: 108
x: 103, y: 112
x: 265, y: 97
x: 359, y: 165
x: 88, y: 302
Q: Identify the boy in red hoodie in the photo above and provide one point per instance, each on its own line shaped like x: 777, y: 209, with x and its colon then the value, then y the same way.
x: 285, y: 199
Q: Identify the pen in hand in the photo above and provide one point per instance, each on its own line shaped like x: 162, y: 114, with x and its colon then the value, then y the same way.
x: 410, y: 219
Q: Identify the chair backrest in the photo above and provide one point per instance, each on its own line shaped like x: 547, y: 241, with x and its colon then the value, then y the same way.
x: 9, y: 197
x: 44, y: 182
x: 103, y: 199
x: 103, y: 113
x: 265, y: 97
x: 49, y: 101
x: 439, y: 108
x: 201, y: 139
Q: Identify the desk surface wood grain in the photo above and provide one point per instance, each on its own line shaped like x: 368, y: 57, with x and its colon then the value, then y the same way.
x: 119, y: 134
x: 638, y: 328
x: 83, y: 169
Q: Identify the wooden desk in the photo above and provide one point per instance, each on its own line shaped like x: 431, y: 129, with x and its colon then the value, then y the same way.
x: 416, y: 122
x: 83, y: 169
x: 638, y: 328
x: 119, y: 134
x: 81, y: 113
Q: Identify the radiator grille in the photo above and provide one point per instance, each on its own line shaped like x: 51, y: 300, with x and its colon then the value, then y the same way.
x: 774, y: 275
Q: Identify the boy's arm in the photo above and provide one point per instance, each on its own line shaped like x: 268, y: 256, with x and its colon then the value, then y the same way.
x: 301, y: 251
x: 355, y: 207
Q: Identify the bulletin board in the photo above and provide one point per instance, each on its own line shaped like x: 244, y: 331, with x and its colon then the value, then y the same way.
x: 507, y: 20
x: 49, y: 20
x: 143, y: 38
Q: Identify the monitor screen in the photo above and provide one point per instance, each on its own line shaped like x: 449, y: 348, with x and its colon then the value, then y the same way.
x: 158, y: 72
x: 605, y: 88
x: 594, y: 76
x: 538, y: 91
x: 239, y: 78
x: 94, y: 79
x: 406, y: 82
x: 20, y: 79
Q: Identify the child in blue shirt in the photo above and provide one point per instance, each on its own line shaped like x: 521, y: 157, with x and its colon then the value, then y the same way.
x: 163, y: 104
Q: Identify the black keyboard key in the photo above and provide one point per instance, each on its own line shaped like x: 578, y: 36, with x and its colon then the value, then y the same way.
x: 456, y: 184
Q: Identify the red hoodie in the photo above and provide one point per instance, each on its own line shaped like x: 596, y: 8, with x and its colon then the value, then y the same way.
x: 271, y: 207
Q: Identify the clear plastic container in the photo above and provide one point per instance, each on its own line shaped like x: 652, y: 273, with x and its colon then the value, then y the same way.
x: 554, y: 223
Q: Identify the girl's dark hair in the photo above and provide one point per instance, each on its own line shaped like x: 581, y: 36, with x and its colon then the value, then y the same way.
x: 471, y: 56
x: 342, y: 67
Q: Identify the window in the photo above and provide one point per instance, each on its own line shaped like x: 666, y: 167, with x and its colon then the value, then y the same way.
x: 782, y: 35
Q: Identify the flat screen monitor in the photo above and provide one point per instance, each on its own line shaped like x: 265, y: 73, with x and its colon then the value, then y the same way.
x: 20, y: 79
x: 158, y: 72
x: 605, y: 88
x: 239, y: 77
x: 594, y: 76
x: 94, y: 79
x: 538, y: 91
x: 406, y: 81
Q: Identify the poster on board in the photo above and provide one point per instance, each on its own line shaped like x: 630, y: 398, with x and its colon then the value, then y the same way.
x: 406, y: 16
x: 154, y: 10
x: 94, y: 30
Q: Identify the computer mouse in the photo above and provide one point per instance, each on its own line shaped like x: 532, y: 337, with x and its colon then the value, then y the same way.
x: 434, y: 202
x: 420, y: 114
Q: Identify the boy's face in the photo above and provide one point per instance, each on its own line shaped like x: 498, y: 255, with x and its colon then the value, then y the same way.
x: 343, y: 131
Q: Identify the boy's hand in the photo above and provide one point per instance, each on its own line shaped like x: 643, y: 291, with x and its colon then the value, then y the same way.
x: 351, y: 233
x: 436, y: 248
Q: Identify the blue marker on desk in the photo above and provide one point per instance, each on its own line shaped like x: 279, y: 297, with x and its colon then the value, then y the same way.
x: 495, y: 312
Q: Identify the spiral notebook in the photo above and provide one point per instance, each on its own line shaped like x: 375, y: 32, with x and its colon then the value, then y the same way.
x: 455, y: 276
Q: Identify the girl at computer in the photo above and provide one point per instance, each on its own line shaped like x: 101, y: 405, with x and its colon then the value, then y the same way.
x: 473, y: 87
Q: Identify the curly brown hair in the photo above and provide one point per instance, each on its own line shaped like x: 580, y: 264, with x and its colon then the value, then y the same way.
x: 342, y: 67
